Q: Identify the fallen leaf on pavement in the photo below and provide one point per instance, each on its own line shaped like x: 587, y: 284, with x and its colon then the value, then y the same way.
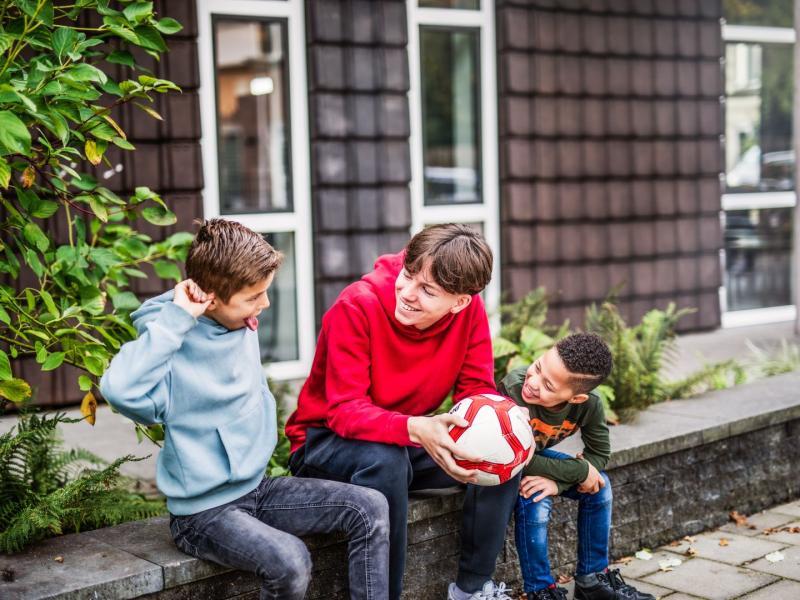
x: 690, y: 551
x: 625, y: 560
x: 564, y: 579
x: 688, y: 538
x: 668, y: 564
x: 59, y: 559
x: 644, y: 554
x: 674, y: 543
x: 774, y: 557
x: 724, y: 542
x: 740, y: 520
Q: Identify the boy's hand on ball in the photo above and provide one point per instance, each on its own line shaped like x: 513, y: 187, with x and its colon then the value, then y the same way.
x: 432, y: 434
x: 191, y: 298
x: 541, y: 487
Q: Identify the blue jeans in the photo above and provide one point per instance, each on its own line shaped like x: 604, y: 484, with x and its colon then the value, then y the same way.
x: 594, y: 526
x: 257, y: 533
x: 396, y: 470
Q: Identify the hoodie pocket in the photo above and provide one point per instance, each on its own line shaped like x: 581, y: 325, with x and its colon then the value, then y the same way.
x: 249, y: 441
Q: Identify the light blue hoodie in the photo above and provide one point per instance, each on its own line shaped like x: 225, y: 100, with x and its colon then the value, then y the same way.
x: 205, y: 383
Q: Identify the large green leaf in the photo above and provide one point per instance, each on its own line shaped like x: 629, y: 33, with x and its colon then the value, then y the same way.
x: 5, y: 366
x: 5, y: 173
x: 167, y: 270
x: 53, y: 361
x: 158, y: 215
x: 14, y: 136
x: 138, y: 11
x: 63, y: 41
x: 15, y: 390
x: 168, y: 26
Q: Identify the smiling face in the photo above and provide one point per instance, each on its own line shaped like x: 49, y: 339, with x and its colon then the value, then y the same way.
x: 420, y: 301
x: 547, y: 382
x: 242, y: 309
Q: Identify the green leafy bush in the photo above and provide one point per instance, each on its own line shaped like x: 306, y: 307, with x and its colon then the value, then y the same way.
x: 56, y: 106
x: 46, y: 491
x: 640, y: 352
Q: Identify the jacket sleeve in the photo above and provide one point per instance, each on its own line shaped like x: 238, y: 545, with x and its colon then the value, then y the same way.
x: 595, y: 437
x: 351, y: 412
x: 477, y: 370
x: 136, y: 382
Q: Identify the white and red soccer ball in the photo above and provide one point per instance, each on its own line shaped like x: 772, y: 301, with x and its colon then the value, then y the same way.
x: 498, y: 431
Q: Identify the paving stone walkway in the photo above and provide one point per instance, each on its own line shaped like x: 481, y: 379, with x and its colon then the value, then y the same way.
x: 758, y: 559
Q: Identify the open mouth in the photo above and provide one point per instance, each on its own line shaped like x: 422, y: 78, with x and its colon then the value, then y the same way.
x: 251, y: 323
x: 406, y: 307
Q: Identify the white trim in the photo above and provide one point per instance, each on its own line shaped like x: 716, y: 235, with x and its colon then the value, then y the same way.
x: 758, y: 34
x: 759, y: 200
x: 758, y: 316
x: 298, y: 221
x: 487, y: 213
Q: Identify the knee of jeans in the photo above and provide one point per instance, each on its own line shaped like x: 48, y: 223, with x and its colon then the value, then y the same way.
x: 534, y: 512
x: 374, y: 508
x: 387, y: 469
x: 295, y: 569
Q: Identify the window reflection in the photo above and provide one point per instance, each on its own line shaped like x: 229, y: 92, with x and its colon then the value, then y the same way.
x: 449, y: 60
x: 758, y: 250
x: 470, y: 4
x: 770, y: 13
x: 758, y: 129
x: 250, y: 62
x: 277, y: 326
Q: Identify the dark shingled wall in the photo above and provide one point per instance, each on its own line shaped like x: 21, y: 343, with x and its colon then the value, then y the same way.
x: 610, y: 153
x: 167, y: 159
x: 359, y: 124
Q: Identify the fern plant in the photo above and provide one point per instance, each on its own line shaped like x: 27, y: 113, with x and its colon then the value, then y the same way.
x: 46, y: 491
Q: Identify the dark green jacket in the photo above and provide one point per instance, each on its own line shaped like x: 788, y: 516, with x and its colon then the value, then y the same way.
x: 550, y: 427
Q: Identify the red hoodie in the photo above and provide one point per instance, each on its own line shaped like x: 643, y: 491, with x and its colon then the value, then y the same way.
x: 370, y: 372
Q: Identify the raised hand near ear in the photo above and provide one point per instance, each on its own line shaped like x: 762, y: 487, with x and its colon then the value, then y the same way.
x: 191, y: 298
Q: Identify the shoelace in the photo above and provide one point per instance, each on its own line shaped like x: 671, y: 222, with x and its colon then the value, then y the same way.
x: 618, y: 584
x: 499, y: 592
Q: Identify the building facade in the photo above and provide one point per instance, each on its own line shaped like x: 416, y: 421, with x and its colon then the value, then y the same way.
x: 590, y: 140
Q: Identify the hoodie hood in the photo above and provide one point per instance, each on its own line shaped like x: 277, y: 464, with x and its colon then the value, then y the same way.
x: 382, y: 280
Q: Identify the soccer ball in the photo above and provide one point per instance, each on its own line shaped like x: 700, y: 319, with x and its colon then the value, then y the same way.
x: 498, y: 431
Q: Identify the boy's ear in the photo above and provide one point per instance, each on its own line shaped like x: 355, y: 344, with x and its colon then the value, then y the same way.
x: 462, y: 302
x: 579, y: 398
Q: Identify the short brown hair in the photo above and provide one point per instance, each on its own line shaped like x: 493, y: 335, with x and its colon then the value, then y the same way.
x: 226, y: 256
x: 460, y: 259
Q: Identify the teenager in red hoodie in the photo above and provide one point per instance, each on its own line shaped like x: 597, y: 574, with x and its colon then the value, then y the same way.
x: 392, y: 346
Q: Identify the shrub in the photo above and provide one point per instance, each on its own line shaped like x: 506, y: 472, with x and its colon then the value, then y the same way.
x: 72, y: 299
x: 47, y: 491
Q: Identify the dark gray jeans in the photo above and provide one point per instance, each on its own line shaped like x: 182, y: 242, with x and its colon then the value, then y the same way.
x: 258, y: 533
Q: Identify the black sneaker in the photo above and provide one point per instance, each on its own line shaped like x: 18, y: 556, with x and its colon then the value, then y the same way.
x: 549, y: 593
x: 610, y: 586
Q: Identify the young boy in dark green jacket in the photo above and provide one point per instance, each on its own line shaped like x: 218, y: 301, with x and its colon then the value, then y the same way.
x: 557, y: 390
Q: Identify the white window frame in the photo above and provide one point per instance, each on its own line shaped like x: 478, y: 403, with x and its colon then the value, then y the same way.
x: 297, y: 222
x: 487, y: 212
x: 743, y: 201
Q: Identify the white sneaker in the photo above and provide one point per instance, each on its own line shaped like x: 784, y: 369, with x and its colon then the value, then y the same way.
x: 489, y: 591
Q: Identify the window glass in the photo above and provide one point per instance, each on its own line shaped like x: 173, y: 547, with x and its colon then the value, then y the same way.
x: 449, y: 65
x: 250, y: 65
x: 758, y: 253
x: 277, y: 326
x: 758, y: 114
x: 771, y: 13
x: 470, y: 4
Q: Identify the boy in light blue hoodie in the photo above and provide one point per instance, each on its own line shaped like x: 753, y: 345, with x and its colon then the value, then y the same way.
x: 196, y: 368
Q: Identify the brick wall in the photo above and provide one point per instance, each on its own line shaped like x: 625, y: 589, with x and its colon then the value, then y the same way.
x: 610, y: 153
x: 359, y: 124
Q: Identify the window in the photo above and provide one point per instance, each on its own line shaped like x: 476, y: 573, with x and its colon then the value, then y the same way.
x: 255, y: 151
x: 759, y: 197
x: 453, y: 105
